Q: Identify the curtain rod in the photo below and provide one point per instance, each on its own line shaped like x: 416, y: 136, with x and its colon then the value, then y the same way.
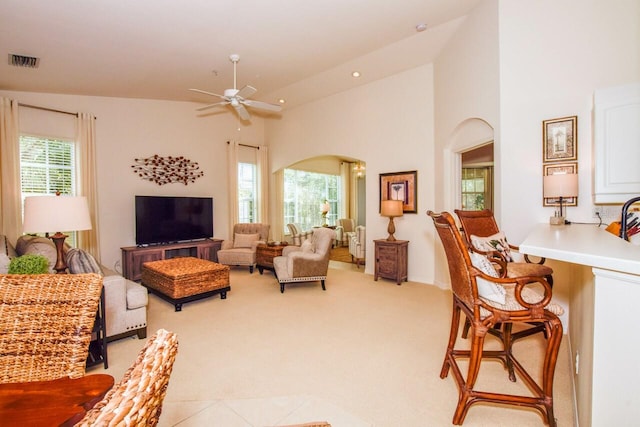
x: 46, y: 109
x: 245, y: 145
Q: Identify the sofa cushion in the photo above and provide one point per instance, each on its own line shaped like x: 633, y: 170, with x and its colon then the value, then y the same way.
x: 245, y: 240
x: 137, y: 295
x: 307, y: 247
x: 4, y: 263
x: 37, y: 245
x: 80, y: 261
x: 6, y: 247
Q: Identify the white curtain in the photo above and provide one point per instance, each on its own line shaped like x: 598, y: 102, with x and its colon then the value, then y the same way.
x: 262, y: 170
x: 232, y: 169
x: 277, y: 227
x: 10, y: 201
x: 87, y: 180
x: 345, y: 199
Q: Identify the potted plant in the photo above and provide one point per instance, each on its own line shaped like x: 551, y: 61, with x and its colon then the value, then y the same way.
x: 29, y: 264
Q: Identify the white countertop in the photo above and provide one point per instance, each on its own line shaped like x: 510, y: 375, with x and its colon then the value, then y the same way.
x: 583, y: 244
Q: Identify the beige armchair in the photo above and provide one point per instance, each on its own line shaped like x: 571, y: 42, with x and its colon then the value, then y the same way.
x: 241, y: 250
x: 358, y: 245
x: 345, y: 230
x: 298, y: 236
x: 308, y: 262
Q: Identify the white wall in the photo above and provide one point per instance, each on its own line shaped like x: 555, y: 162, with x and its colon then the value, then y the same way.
x: 134, y: 128
x: 466, y: 108
x: 388, y: 124
x: 553, y: 55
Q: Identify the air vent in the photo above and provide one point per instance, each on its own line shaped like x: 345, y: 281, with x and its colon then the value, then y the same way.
x: 23, y: 61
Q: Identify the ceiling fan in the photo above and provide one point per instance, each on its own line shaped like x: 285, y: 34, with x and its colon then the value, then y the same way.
x: 238, y: 99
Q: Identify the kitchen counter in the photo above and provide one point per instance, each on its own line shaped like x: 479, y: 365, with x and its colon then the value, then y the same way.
x: 604, y: 298
x: 584, y: 244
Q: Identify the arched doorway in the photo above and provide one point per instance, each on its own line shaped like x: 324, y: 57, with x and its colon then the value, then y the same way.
x: 300, y: 192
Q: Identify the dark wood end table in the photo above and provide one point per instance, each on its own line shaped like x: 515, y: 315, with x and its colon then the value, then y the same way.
x: 265, y: 253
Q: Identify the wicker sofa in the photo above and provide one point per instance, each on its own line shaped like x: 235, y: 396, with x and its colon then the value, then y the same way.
x: 125, y: 301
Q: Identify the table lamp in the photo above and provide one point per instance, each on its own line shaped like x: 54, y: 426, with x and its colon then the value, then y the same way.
x: 391, y: 209
x: 45, y: 214
x: 560, y: 186
x: 325, y: 208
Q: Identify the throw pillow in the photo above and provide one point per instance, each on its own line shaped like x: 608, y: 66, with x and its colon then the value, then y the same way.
x: 37, y: 245
x: 80, y: 261
x: 496, y: 242
x: 307, y: 247
x: 4, y: 263
x: 245, y: 240
x: 486, y: 289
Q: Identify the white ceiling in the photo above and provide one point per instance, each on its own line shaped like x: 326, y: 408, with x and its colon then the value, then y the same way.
x: 296, y: 49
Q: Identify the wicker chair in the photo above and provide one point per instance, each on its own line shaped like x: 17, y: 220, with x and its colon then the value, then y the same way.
x: 137, y: 399
x: 482, y: 234
x: 45, y: 325
x: 479, y: 225
x: 521, y: 305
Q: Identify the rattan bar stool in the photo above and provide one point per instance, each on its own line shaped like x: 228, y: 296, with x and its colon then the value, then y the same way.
x: 521, y: 305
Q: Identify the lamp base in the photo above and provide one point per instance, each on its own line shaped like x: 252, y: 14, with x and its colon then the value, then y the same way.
x: 58, y: 241
x: 557, y: 220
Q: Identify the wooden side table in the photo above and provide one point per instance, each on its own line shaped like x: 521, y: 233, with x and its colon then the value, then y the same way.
x: 391, y: 260
x: 265, y: 254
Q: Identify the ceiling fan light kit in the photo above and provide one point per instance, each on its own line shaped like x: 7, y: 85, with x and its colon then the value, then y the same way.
x: 238, y: 99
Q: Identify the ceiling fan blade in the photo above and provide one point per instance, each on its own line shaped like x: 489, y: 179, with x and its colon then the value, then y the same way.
x: 208, y: 93
x: 206, y: 107
x: 262, y: 105
x: 242, y: 112
x: 246, y: 92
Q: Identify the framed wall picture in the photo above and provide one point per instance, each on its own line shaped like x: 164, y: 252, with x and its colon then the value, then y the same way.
x: 560, y: 139
x: 552, y: 168
x: 400, y: 186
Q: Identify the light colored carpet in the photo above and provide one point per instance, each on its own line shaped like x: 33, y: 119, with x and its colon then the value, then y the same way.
x: 362, y: 353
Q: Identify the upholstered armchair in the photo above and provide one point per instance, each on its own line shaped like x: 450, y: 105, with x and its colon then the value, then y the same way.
x: 308, y: 262
x: 345, y: 230
x: 241, y: 249
x: 298, y: 236
x: 357, y: 245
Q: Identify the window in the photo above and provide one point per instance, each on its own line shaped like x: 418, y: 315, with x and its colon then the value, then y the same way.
x: 47, y: 166
x: 304, y: 192
x: 247, y: 192
x: 476, y: 188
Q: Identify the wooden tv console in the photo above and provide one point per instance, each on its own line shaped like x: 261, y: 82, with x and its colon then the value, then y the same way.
x: 134, y: 256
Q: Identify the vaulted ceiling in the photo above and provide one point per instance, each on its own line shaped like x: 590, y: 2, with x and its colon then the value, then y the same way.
x: 298, y: 50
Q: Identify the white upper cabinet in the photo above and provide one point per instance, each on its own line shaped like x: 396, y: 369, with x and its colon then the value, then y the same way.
x: 616, y: 143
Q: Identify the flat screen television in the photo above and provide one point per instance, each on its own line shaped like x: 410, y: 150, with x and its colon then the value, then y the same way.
x: 165, y: 219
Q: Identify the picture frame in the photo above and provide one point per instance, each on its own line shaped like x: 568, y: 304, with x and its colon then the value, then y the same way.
x: 560, y: 139
x: 400, y: 186
x: 552, y: 168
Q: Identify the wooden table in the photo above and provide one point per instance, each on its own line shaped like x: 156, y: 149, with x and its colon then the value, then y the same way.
x: 391, y: 260
x: 265, y: 253
x: 63, y: 402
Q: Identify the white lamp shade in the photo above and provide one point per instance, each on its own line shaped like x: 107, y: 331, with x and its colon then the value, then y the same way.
x: 391, y: 208
x: 52, y: 214
x: 326, y: 207
x: 560, y: 185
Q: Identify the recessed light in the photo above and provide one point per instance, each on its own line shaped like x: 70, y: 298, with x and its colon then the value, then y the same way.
x: 282, y: 100
x: 356, y: 74
x: 421, y: 27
